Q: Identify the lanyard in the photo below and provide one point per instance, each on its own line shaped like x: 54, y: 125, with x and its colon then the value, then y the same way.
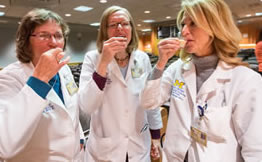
x: 202, y: 109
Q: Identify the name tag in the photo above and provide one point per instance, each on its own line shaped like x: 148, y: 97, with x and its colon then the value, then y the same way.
x: 49, y: 108
x: 71, y: 88
x: 198, y: 136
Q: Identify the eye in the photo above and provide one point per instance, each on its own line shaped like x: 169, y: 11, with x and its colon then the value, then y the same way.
x: 112, y: 25
x: 44, y: 35
x: 182, y: 25
x: 125, y: 23
x: 59, y: 36
x: 192, y: 23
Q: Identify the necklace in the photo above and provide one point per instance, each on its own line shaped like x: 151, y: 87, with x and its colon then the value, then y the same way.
x: 122, y: 59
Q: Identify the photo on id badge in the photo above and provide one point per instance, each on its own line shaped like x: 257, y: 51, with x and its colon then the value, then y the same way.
x: 70, y: 85
x: 136, y: 71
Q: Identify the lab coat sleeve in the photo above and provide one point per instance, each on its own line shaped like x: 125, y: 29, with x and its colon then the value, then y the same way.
x: 156, y: 92
x: 20, y: 111
x: 154, y: 118
x: 90, y: 96
x: 247, y: 118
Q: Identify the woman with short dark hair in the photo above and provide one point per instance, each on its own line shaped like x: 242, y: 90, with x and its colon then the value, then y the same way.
x: 38, y: 109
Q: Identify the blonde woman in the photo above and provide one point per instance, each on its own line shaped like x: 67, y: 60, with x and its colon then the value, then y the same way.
x: 215, y: 110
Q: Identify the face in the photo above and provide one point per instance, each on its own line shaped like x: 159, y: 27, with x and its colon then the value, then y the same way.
x: 118, y: 25
x: 198, y: 42
x: 45, y: 37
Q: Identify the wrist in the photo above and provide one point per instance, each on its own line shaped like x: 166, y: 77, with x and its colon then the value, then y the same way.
x: 42, y: 78
x: 160, y: 65
x: 102, y: 69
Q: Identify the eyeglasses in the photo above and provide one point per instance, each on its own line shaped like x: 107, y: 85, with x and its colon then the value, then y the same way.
x: 124, y: 24
x: 45, y: 36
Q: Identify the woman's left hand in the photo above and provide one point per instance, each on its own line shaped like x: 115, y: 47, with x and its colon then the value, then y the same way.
x: 155, y: 151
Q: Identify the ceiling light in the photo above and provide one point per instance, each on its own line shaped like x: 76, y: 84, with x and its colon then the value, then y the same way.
x: 83, y: 8
x: 103, y: 1
x: 95, y: 24
x: 146, y: 30
x: 248, y: 15
x: 138, y: 24
x: 67, y: 15
x: 146, y: 12
x: 2, y: 13
x: 168, y: 17
x: 239, y: 21
x: 149, y: 21
x: 259, y: 14
x: 2, y: 6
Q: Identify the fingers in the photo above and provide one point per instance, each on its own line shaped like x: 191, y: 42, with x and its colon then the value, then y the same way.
x: 155, y: 153
x: 62, y: 63
x: 116, y: 43
x: 170, y: 43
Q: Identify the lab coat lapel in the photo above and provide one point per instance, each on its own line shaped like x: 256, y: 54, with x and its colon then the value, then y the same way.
x: 130, y: 64
x: 115, y: 70
x: 53, y: 97
x: 189, y: 74
x: 221, y: 75
x: 65, y: 92
x: 67, y: 97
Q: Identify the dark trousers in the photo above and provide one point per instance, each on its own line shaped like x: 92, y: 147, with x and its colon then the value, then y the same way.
x: 186, y: 158
x: 126, y: 157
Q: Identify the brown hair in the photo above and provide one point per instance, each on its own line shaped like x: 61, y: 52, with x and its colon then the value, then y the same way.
x: 28, y: 24
x: 102, y: 34
x: 215, y: 17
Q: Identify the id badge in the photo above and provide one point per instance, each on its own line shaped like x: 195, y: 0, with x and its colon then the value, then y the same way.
x: 198, y: 135
x: 136, y: 72
x: 71, y: 88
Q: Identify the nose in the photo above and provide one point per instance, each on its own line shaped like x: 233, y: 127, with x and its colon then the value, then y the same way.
x: 119, y: 27
x: 185, y: 30
x: 52, y: 41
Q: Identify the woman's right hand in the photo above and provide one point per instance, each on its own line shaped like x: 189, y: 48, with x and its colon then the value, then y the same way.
x: 167, y: 48
x: 110, y: 48
x: 49, y: 64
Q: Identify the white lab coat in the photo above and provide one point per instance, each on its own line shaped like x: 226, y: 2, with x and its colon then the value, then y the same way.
x: 232, y: 120
x: 33, y: 129
x: 118, y: 123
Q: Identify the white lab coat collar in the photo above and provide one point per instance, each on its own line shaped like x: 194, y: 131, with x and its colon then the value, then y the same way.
x: 114, y: 68
x: 54, y: 98
x: 51, y: 96
x: 222, y: 74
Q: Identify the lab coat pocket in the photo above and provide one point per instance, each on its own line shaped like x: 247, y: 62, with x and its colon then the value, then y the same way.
x: 216, y: 123
x: 100, y: 148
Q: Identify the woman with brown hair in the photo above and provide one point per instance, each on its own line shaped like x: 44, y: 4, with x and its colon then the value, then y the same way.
x: 111, y: 79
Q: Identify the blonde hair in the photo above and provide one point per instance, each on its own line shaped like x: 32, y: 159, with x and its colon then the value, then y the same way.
x: 103, y: 36
x: 214, y: 17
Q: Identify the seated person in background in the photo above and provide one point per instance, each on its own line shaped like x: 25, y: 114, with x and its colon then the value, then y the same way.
x: 215, y: 100
x: 115, y: 74
x: 38, y: 102
x: 258, y: 52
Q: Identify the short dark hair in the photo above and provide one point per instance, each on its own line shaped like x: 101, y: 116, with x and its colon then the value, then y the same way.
x: 27, y: 26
